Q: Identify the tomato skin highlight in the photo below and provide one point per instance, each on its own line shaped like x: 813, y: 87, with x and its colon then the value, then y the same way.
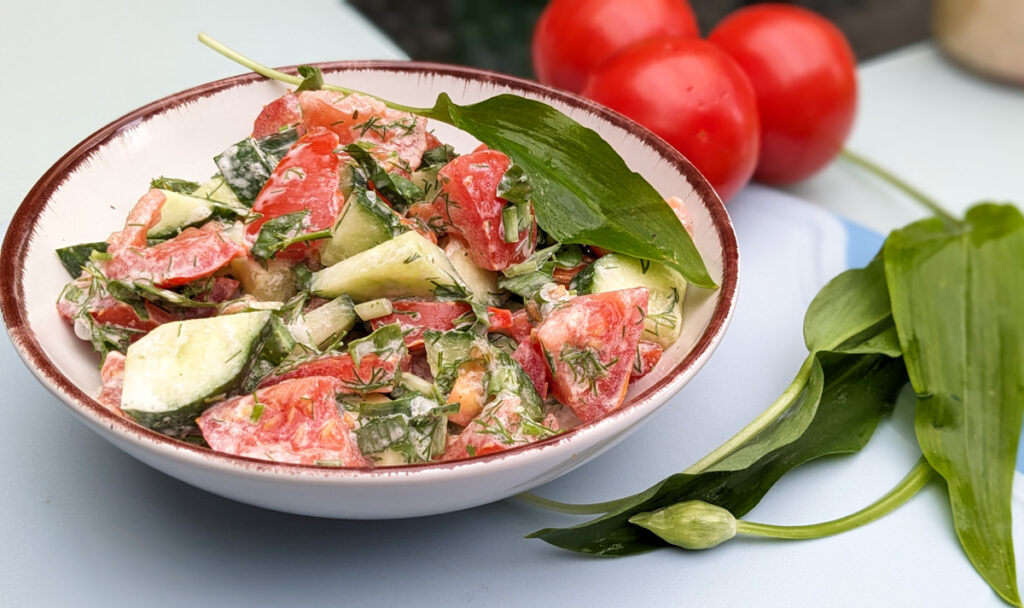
x: 695, y: 97
x: 804, y: 75
x: 573, y: 37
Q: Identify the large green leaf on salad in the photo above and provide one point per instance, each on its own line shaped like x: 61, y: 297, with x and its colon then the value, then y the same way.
x: 583, y: 192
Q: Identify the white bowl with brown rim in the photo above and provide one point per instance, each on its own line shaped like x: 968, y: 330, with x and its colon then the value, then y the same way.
x: 88, y: 192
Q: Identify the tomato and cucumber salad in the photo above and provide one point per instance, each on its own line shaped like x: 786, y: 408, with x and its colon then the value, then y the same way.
x: 348, y: 291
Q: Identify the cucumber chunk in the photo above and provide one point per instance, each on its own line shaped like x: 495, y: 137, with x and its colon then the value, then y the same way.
x: 365, y: 222
x: 406, y: 266
x: 218, y: 191
x: 481, y: 282
x: 326, y: 324
x: 178, y: 212
x: 615, y: 271
x: 177, y: 370
x: 75, y: 257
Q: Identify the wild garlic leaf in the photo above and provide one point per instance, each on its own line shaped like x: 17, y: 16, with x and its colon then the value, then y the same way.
x: 398, y: 191
x: 958, y: 302
x: 852, y: 307
x: 312, y: 79
x: 174, y: 184
x: 281, y: 232
x: 579, y: 182
x: 850, y: 314
x: 858, y: 390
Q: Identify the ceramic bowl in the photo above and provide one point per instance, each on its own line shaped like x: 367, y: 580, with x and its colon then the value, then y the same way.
x: 89, y: 191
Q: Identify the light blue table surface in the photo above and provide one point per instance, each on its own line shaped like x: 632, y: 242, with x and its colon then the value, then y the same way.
x: 82, y: 524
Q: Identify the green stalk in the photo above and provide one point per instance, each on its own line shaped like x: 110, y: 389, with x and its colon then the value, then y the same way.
x: 904, y: 490
x: 887, y: 176
x: 273, y: 74
x: 757, y: 425
x: 766, y: 417
x: 571, y: 509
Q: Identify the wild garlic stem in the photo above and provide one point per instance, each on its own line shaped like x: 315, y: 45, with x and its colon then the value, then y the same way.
x: 756, y: 426
x: 273, y: 74
x: 760, y: 423
x: 889, y: 177
x: 571, y: 509
x: 904, y: 490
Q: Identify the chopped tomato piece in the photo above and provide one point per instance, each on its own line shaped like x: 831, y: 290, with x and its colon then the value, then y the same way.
x: 112, y: 375
x: 647, y: 356
x: 564, y: 276
x: 194, y: 254
x: 400, y: 138
x: 414, y: 317
x: 680, y: 210
x: 295, y: 421
x: 498, y: 428
x: 532, y: 361
x: 432, y: 141
x: 278, y: 115
x: 306, y: 179
x: 500, y: 320
x: 143, y: 216
x: 589, y: 344
x: 374, y: 375
x: 123, y: 315
x: 469, y: 204
x: 517, y: 326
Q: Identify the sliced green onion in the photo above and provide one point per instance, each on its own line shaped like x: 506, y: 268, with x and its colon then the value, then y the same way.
x: 510, y: 222
x: 416, y: 384
x: 374, y: 309
x: 521, y: 268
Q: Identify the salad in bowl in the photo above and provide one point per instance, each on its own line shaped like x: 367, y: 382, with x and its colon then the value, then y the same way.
x: 316, y: 302
x: 348, y: 290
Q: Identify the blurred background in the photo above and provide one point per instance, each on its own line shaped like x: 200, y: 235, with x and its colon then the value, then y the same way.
x: 495, y: 34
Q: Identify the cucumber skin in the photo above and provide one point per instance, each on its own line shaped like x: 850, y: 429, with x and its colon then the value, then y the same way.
x: 365, y: 222
x: 75, y: 257
x: 172, y: 421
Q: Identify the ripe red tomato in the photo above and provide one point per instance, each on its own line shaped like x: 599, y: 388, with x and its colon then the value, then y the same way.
x: 694, y: 96
x: 804, y: 76
x: 573, y: 37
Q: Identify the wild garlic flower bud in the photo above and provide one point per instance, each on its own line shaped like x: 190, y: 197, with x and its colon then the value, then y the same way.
x: 693, y: 524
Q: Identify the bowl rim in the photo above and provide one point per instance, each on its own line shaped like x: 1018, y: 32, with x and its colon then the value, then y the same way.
x: 22, y: 227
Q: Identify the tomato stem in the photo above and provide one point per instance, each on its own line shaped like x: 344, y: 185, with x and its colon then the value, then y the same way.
x: 889, y: 177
